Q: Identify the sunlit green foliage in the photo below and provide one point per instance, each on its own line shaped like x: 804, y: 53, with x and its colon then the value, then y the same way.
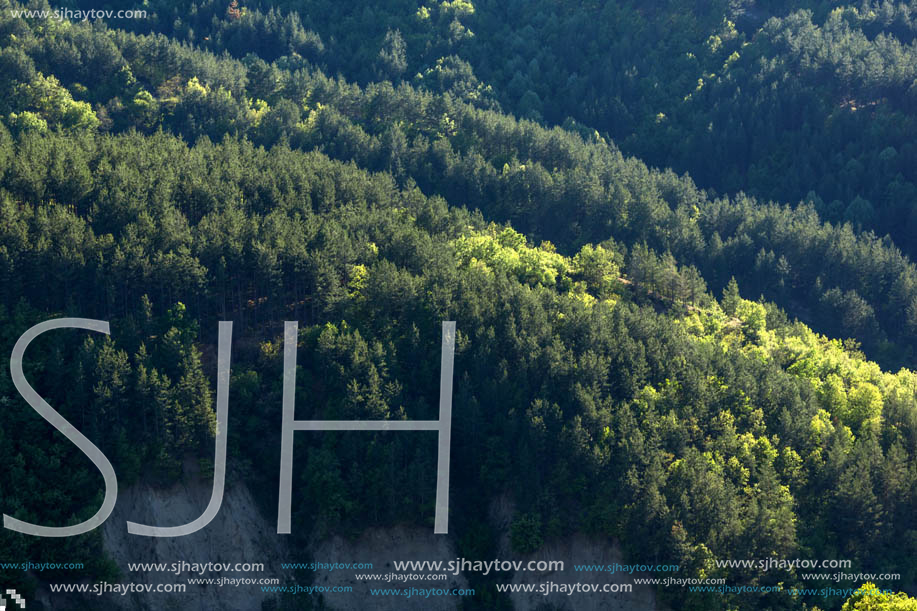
x: 599, y: 385
x: 869, y: 598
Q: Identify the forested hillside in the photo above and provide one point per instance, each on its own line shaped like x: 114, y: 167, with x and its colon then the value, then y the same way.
x: 709, y: 361
x: 785, y: 101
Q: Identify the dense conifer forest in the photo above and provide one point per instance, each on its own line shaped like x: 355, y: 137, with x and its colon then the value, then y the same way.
x: 677, y: 239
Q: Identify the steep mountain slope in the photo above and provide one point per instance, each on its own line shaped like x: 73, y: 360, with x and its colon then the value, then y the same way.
x: 598, y: 381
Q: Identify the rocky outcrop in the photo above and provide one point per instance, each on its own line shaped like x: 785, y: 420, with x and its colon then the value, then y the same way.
x: 238, y: 534
x: 581, y: 549
x: 241, y: 534
x: 577, y: 548
x: 382, y: 546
